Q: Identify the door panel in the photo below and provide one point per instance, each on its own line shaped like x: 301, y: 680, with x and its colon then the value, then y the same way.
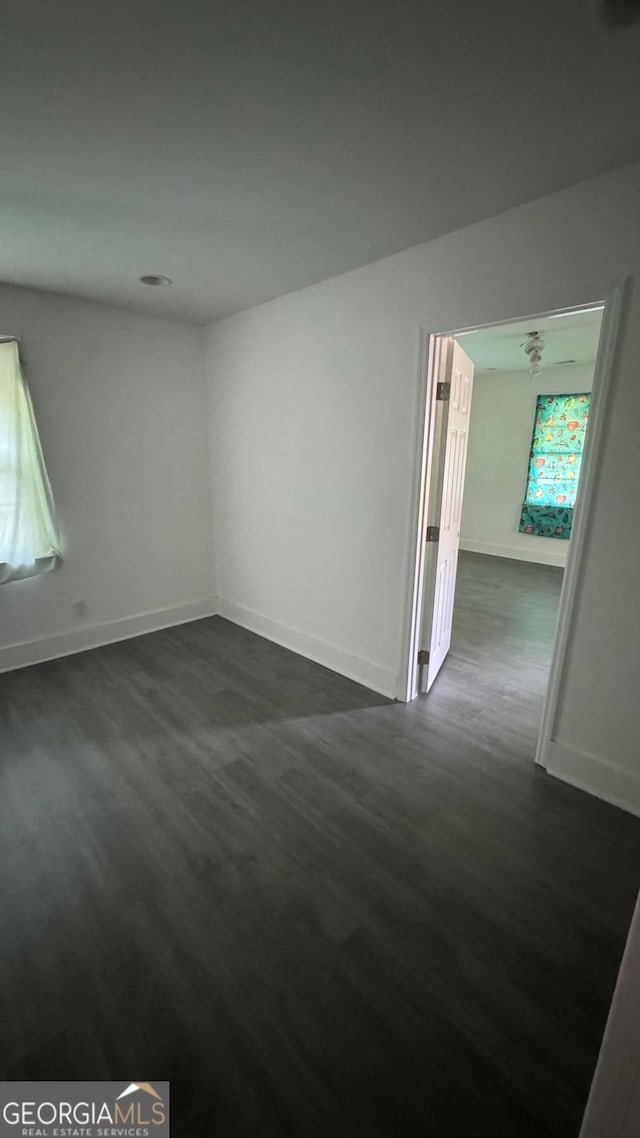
x: 452, y: 425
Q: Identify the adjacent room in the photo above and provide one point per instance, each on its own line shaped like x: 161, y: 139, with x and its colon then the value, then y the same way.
x: 490, y: 629
x: 241, y: 854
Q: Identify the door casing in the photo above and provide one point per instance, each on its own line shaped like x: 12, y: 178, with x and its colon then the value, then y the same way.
x: 610, y: 294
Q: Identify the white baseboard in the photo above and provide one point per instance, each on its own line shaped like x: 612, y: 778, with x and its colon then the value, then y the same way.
x: 363, y: 671
x: 543, y: 556
x: 594, y: 774
x: 94, y: 635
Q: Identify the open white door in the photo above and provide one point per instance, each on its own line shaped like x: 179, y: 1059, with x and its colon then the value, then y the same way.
x: 453, y: 409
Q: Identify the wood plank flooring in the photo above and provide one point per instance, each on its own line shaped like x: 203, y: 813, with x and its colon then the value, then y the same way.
x: 318, y: 912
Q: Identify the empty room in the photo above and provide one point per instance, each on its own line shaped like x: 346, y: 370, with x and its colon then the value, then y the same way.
x: 319, y: 781
x: 502, y: 485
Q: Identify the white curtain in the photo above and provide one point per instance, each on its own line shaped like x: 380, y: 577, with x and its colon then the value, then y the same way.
x: 29, y: 538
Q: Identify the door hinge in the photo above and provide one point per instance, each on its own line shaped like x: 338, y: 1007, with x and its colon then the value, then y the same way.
x: 423, y: 657
x: 443, y: 391
x: 433, y: 533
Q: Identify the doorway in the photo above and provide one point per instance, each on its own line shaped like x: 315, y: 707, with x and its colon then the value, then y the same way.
x: 503, y: 499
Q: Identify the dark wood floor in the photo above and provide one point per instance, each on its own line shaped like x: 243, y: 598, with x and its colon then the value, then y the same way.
x: 317, y: 912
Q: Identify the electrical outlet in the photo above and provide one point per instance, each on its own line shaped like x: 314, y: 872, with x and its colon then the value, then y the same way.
x: 80, y: 608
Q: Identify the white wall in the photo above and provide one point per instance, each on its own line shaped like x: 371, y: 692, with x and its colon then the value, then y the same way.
x: 120, y: 403
x: 613, y: 1109
x: 502, y: 414
x: 313, y: 429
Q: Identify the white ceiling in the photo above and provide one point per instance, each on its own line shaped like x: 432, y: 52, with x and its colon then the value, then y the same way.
x: 250, y: 148
x: 569, y: 338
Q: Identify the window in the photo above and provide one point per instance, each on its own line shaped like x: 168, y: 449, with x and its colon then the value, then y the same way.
x: 29, y: 539
x: 557, y: 444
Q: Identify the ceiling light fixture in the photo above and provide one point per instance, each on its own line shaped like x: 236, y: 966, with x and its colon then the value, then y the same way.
x: 155, y: 280
x: 534, y: 347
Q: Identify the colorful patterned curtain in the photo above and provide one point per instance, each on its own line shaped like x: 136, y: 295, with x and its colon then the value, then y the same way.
x: 559, y: 431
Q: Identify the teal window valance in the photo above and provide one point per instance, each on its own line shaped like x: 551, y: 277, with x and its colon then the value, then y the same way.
x: 557, y: 444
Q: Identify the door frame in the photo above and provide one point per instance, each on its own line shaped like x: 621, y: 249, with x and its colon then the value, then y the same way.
x: 610, y: 294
